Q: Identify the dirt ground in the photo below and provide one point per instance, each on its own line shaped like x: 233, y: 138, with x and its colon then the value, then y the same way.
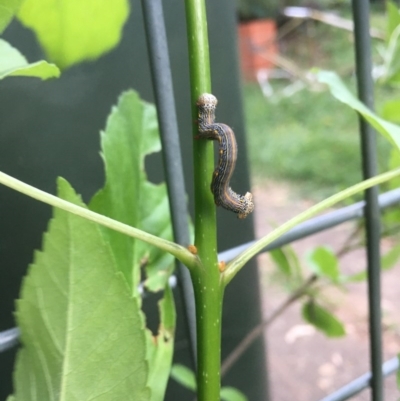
x: 304, y: 365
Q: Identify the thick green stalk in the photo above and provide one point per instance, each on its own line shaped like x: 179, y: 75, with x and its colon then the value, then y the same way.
x: 207, y: 283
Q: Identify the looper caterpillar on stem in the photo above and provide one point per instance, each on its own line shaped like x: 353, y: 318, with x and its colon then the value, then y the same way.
x: 223, y: 194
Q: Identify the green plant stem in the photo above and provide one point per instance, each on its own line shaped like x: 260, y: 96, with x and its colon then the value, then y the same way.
x: 236, y: 264
x: 207, y: 282
x: 205, y: 216
x: 176, y: 250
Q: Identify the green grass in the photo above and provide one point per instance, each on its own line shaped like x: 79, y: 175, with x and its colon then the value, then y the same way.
x: 309, y: 138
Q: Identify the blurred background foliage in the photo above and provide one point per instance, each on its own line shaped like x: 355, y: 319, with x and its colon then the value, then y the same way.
x: 306, y: 136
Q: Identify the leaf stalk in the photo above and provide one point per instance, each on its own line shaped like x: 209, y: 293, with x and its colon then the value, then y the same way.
x: 237, y: 263
x: 180, y: 252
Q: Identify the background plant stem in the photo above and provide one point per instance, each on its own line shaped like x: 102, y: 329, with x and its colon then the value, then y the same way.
x: 237, y: 263
x: 206, y: 280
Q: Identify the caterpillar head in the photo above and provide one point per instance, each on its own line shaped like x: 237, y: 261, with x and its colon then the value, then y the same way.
x: 206, y: 104
x: 207, y: 100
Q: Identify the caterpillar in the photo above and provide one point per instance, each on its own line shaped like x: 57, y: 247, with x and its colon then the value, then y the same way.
x: 224, y: 196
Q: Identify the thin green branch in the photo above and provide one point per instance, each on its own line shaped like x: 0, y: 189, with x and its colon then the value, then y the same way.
x: 236, y: 264
x: 176, y: 250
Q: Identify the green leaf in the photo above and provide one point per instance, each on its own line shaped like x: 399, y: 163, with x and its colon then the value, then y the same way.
x: 82, y: 331
x: 131, y: 134
x: 394, y: 162
x: 391, y: 110
x: 389, y: 130
x: 184, y: 376
x: 324, y: 263
x: 391, y: 51
x: 322, y: 319
x: 232, y: 394
x: 160, y: 349
x: 390, y: 258
x: 8, y: 9
x: 281, y: 260
x: 71, y: 31
x: 388, y: 261
x: 391, y: 59
x: 391, y: 217
x: 356, y: 278
x: 287, y: 261
x: 10, y: 398
x: 393, y: 17
x: 13, y: 64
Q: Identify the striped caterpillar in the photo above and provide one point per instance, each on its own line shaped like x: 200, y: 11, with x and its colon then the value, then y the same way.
x: 223, y: 194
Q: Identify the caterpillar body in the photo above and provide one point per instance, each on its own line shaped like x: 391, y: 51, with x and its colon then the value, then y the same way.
x: 224, y: 196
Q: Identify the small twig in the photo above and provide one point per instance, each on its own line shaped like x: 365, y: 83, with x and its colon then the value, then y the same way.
x: 348, y: 246
x: 258, y: 330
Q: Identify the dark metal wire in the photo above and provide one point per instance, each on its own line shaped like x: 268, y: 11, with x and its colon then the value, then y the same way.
x: 372, y: 214
x: 164, y: 96
x: 362, y: 382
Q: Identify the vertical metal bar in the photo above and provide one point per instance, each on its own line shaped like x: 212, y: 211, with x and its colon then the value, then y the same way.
x: 372, y: 214
x: 164, y: 95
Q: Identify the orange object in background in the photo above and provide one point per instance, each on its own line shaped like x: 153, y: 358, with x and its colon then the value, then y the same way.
x: 257, y: 46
